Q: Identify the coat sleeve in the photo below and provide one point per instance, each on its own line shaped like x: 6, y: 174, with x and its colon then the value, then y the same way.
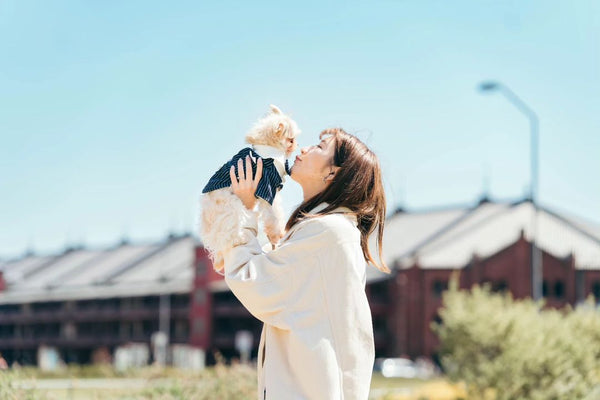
x: 263, y: 281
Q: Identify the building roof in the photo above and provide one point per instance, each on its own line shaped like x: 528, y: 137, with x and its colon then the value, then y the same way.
x: 122, y: 271
x: 450, y: 238
x: 445, y: 238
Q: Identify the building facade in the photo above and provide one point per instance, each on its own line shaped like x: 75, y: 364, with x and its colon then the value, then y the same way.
x: 87, y: 303
x: 485, y: 244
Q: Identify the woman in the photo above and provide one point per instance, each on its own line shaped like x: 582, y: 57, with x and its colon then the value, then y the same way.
x: 317, y: 338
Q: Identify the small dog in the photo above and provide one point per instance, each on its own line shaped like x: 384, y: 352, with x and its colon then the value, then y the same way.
x: 273, y: 138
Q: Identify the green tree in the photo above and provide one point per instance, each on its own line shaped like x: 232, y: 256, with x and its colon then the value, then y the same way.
x: 504, y: 349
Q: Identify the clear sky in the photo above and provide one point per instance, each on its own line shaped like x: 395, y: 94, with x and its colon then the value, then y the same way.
x: 113, y: 115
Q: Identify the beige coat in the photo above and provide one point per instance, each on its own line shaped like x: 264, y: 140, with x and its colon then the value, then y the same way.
x: 317, y: 339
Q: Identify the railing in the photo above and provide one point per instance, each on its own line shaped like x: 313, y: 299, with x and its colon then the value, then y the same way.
x: 91, y: 315
x: 83, y: 341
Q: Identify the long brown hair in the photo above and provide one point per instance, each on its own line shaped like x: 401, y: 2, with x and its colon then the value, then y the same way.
x: 358, y: 186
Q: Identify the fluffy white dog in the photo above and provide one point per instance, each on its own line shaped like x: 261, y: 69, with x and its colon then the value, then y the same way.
x: 273, y: 138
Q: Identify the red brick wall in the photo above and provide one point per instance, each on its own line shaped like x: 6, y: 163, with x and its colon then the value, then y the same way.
x: 201, y: 300
x: 558, y: 271
x: 435, y: 283
x: 408, y: 302
x: 2, y: 281
x: 510, y: 265
x: 416, y: 291
x: 591, y: 281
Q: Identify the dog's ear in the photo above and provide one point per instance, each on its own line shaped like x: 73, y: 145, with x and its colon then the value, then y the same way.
x: 280, y: 129
x: 275, y: 109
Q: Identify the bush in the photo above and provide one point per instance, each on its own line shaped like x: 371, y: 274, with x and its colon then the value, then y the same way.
x: 10, y: 391
x: 237, y: 382
x: 506, y: 349
x: 223, y: 382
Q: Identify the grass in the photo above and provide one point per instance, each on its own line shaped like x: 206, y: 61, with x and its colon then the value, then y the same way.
x: 414, y: 389
x: 237, y: 382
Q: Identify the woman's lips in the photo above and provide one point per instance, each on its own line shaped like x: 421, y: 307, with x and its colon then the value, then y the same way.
x: 298, y: 159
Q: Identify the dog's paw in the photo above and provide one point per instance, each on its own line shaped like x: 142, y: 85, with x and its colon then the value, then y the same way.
x: 218, y: 262
x: 274, y: 237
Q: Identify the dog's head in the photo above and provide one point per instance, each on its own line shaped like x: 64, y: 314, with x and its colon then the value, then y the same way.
x: 275, y: 129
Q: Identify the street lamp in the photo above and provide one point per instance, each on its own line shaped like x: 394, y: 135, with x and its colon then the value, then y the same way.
x: 536, y: 259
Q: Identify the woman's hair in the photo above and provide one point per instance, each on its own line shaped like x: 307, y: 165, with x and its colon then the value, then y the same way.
x: 358, y: 186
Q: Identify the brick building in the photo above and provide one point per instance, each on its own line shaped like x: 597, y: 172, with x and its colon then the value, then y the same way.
x: 86, y: 302
x: 487, y: 243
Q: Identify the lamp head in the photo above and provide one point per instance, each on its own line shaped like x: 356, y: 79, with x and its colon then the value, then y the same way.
x: 488, y: 86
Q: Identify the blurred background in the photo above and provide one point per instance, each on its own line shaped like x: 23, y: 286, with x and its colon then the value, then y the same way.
x: 113, y: 116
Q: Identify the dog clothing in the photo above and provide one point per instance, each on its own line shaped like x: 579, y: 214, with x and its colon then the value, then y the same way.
x: 270, y: 182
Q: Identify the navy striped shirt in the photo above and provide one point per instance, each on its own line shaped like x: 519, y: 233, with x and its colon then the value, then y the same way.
x: 268, y: 185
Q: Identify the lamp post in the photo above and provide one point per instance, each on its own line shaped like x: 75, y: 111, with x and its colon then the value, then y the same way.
x: 536, y: 259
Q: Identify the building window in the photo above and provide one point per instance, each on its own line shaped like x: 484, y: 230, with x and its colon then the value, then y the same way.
x: 596, y: 290
x: 500, y: 286
x: 180, y: 329
x: 379, y: 324
x: 69, y: 330
x: 379, y: 292
x: 544, y: 288
x: 559, y: 289
x: 437, y: 319
x: 439, y: 287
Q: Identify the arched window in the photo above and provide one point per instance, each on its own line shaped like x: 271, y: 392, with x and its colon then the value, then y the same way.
x: 437, y: 319
x: 559, y: 289
x: 596, y: 290
x: 500, y: 286
x: 439, y: 287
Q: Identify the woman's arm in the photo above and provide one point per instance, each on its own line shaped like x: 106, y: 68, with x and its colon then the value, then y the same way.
x: 263, y: 282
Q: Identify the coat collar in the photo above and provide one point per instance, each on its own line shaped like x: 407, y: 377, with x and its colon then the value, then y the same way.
x: 340, y: 210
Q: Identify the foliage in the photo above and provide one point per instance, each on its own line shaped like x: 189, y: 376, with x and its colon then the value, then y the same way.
x: 10, y: 391
x: 237, y: 382
x: 507, y: 349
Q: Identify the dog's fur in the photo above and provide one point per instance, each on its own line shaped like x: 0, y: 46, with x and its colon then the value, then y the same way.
x: 222, y: 213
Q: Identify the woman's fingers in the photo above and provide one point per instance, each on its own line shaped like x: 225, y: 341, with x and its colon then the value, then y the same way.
x: 244, y: 177
x: 241, y: 172
x: 249, y: 171
x: 233, y: 178
x: 244, y: 184
x: 258, y: 176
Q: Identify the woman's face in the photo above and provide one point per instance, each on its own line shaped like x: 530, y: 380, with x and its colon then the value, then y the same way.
x: 314, y: 163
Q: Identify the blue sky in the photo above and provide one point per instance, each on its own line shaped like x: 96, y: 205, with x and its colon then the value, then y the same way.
x: 113, y: 115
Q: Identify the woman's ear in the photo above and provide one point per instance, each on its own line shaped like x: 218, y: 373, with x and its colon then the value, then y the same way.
x: 332, y: 172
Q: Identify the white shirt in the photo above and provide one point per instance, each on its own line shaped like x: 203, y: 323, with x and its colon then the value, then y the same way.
x: 277, y: 155
x: 310, y: 293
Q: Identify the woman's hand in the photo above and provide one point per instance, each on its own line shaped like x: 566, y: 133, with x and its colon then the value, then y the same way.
x: 246, y: 185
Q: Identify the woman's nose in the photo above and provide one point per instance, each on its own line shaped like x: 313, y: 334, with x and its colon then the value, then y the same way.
x: 303, y: 150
